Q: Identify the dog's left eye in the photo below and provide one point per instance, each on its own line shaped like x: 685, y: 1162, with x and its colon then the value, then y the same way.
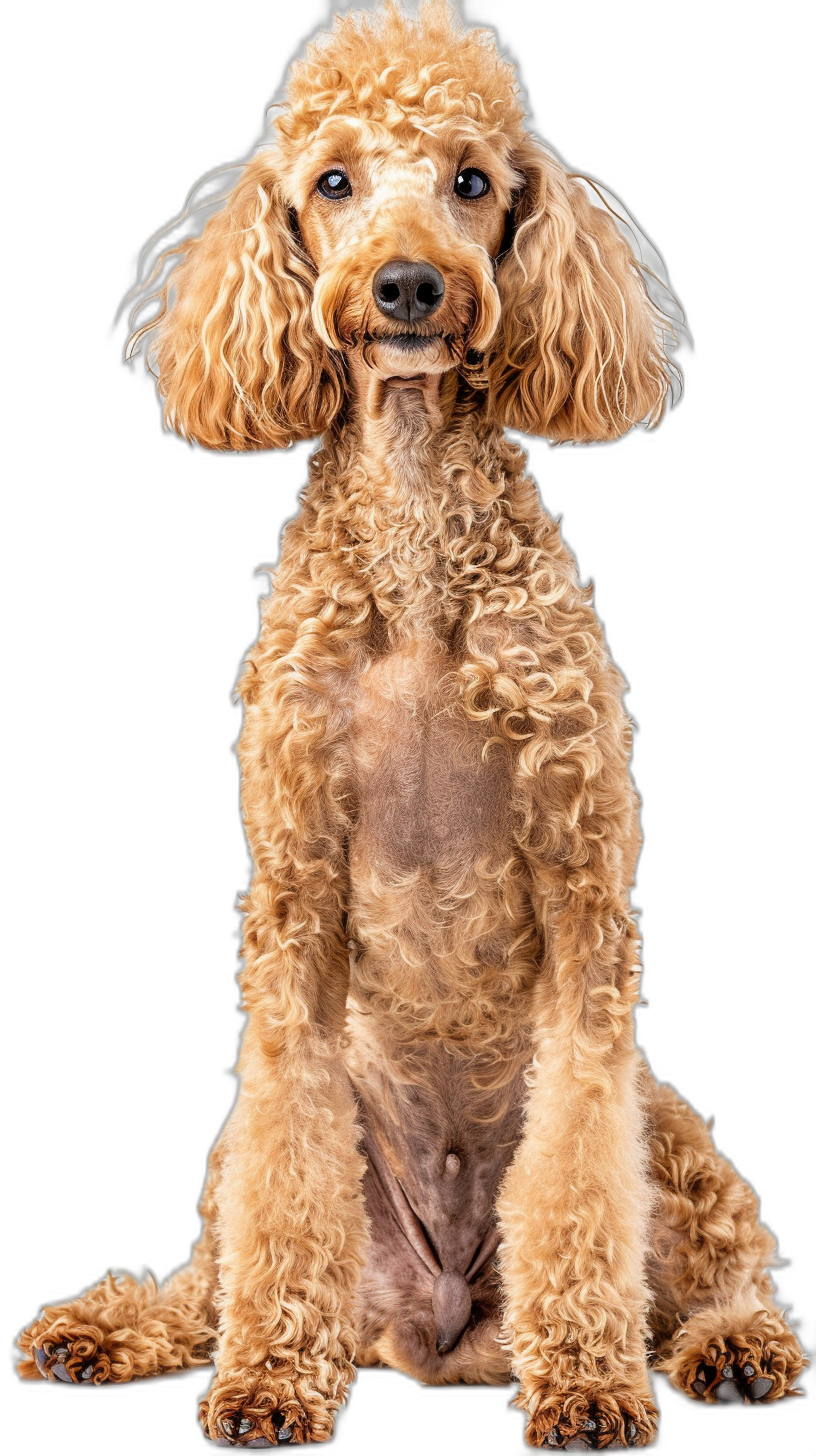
x: 471, y: 183
x: 334, y: 184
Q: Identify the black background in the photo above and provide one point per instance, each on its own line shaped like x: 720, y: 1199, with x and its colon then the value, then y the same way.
x: 139, y: 602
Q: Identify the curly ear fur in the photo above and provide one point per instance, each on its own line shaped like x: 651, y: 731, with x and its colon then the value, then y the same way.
x: 238, y: 361
x: 580, y: 351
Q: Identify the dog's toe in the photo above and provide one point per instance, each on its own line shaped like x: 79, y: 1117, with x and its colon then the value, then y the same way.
x: 590, y: 1436
x: 72, y: 1359
x: 236, y: 1431
x: 244, y: 1445
x: 733, y: 1378
x: 631, y: 1438
x: 727, y: 1391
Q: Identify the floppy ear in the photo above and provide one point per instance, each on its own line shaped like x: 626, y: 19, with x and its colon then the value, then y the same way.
x: 238, y: 361
x: 579, y: 353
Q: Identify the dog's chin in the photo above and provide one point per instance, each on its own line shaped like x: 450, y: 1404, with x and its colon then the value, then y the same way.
x: 408, y: 357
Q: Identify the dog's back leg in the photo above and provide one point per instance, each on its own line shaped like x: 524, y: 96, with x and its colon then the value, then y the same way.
x: 717, y: 1331
x: 123, y: 1328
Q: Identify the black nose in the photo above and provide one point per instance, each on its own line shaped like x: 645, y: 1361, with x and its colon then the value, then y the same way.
x: 408, y: 290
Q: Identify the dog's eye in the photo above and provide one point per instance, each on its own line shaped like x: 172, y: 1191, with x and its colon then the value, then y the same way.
x: 472, y: 183
x: 334, y: 184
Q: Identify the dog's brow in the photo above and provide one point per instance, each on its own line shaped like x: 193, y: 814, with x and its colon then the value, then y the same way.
x: 338, y: 134
x: 386, y: 167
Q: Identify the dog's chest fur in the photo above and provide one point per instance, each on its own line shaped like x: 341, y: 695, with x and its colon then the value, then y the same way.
x: 437, y: 889
x: 429, y: 797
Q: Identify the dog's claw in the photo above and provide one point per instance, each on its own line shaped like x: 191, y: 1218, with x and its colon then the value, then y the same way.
x: 587, y: 1438
x: 234, y: 1428
x: 52, y: 1361
x: 732, y: 1381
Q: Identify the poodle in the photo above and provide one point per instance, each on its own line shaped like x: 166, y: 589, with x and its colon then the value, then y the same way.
x: 447, y: 1154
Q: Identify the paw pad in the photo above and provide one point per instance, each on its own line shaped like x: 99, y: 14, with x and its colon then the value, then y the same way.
x: 237, y: 1430
x: 731, y: 1379
x: 590, y: 1434
x: 69, y: 1364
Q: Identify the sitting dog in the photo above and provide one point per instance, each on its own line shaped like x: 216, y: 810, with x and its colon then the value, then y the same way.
x: 446, y: 1154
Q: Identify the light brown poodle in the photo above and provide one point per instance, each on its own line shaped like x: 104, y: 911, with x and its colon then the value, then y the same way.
x: 446, y: 1154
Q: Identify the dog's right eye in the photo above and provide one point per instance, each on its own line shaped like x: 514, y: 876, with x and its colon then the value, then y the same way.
x: 471, y: 183
x: 334, y: 185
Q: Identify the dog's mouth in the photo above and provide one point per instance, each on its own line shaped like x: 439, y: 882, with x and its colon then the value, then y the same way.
x: 412, y: 343
x: 408, y: 354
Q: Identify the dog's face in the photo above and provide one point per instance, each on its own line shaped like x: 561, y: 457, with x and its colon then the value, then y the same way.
x: 403, y: 222
x: 404, y: 234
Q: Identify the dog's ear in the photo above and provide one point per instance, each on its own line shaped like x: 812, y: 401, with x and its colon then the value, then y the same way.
x: 239, y: 364
x: 580, y: 350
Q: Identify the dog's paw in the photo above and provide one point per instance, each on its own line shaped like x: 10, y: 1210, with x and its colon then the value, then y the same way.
x: 60, y: 1345
x: 587, y: 1423
x: 732, y: 1377
x: 755, y: 1360
x: 254, y: 1408
x: 74, y: 1360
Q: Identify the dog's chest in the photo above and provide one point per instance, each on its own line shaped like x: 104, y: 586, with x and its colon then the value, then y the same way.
x: 428, y: 791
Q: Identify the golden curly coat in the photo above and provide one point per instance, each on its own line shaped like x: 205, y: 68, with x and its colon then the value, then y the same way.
x: 446, y: 1154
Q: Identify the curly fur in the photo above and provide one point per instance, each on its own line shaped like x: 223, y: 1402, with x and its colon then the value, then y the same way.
x: 438, y: 943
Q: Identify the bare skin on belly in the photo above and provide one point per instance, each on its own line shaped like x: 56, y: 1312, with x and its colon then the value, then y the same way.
x: 443, y: 948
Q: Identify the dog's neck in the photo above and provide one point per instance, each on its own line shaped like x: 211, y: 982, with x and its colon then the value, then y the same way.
x: 402, y: 428
x: 418, y: 439
x: 412, y: 478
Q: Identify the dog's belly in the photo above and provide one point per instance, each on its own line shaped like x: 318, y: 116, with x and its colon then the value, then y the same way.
x: 439, y: 1325
x: 443, y: 953
x: 430, y: 1299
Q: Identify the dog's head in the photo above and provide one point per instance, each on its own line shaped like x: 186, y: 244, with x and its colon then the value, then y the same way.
x: 403, y: 218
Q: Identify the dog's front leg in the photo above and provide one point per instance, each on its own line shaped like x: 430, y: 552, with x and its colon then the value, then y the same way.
x: 574, y: 1207
x: 291, y: 1225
